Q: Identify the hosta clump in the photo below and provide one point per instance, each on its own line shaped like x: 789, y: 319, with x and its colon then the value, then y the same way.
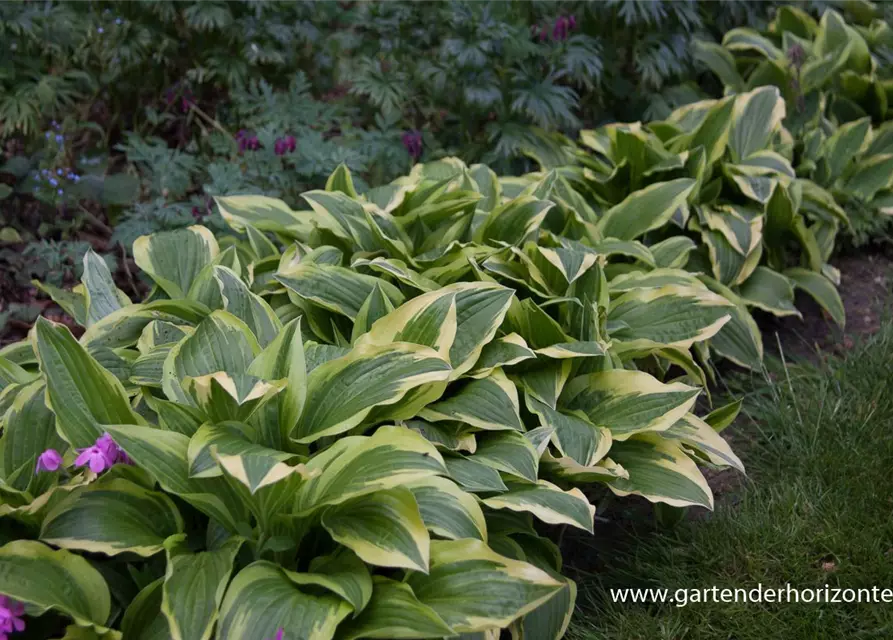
x: 711, y: 190
x: 835, y: 80
x: 351, y: 437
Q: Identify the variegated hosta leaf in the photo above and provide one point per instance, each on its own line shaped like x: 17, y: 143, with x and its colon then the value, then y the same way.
x: 551, y: 619
x: 573, y: 434
x: 112, y: 516
x: 399, y: 270
x: 567, y: 469
x: 770, y: 291
x: 457, y: 321
x: 344, y: 217
x: 502, y: 352
x: 221, y: 342
x: 230, y: 397
x: 489, y: 403
x: 449, y: 436
x: 514, y: 221
x: 124, y: 327
x: 193, y: 588
x: 739, y: 340
x: 81, y: 393
x: 247, y: 306
x: 668, y: 316
x: 508, y: 452
x: 357, y: 465
x: 29, y: 429
x: 660, y: 471
x: 262, y: 599
x: 821, y: 290
x: 473, y: 588
x: 696, y: 433
x: 342, y: 392
x: 474, y: 476
x: 628, y: 402
x: 227, y: 445
x: 447, y: 510
x: 263, y: 213
x: 394, y: 613
x: 173, y: 259
x: 164, y: 455
x: 143, y: 619
x: 545, y: 383
x: 548, y: 503
x: 334, y: 288
x: 101, y: 296
x: 383, y: 528
x: 282, y: 359
x: 646, y: 209
x: 673, y: 252
x: 342, y: 573
x: 758, y: 115
x: 33, y: 573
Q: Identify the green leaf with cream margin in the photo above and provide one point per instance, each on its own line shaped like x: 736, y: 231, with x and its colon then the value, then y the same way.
x: 573, y: 434
x: 262, y: 213
x: 35, y: 574
x: 221, y: 342
x: 668, y: 316
x: 230, y: 397
x: 628, y: 402
x: 489, y: 403
x: 342, y: 392
x: 447, y: 510
x: 357, y: 465
x: 262, y: 599
x: 757, y: 117
x: 472, y: 588
x: 173, y: 259
x: 81, y: 393
x: 547, y: 502
x: 821, y: 290
x: 194, y: 584
x: 394, y: 613
x: 457, y: 321
x: 697, y: 434
x: 660, y: 471
x: 383, y: 528
x: 644, y: 210
x: 112, y: 516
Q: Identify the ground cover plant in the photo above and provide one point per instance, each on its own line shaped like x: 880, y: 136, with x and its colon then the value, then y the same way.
x: 354, y: 410
x: 806, y: 517
x: 835, y: 78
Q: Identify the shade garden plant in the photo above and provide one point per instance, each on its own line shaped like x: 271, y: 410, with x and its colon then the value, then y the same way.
x: 368, y: 417
x: 835, y: 77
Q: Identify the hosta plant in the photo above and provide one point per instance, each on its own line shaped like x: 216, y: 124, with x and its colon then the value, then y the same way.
x: 359, y: 420
x: 714, y: 183
x: 835, y: 79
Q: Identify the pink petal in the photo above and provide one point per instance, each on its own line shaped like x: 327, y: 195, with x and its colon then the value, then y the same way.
x: 97, y: 463
x: 84, y: 457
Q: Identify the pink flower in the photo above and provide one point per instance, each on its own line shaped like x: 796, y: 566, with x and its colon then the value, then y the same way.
x: 95, y: 457
x: 11, y: 613
x: 412, y: 141
x: 49, y: 460
x: 103, y: 454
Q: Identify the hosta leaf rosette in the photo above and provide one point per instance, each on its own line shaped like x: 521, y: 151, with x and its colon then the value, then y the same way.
x: 349, y: 435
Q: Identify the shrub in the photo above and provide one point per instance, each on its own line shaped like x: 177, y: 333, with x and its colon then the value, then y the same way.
x: 360, y: 427
x: 835, y: 79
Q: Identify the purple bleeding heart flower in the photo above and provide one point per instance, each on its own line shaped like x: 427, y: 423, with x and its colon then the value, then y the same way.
x: 49, y: 460
x: 412, y: 140
x: 291, y: 143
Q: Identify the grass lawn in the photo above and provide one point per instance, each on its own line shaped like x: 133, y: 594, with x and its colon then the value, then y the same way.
x: 816, y: 508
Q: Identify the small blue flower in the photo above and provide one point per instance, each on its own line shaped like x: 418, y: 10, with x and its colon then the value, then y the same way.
x: 60, y: 192
x: 44, y: 172
x: 48, y: 135
x: 59, y: 138
x: 54, y: 182
x: 118, y: 21
x: 58, y: 172
x: 76, y: 178
x: 100, y: 30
